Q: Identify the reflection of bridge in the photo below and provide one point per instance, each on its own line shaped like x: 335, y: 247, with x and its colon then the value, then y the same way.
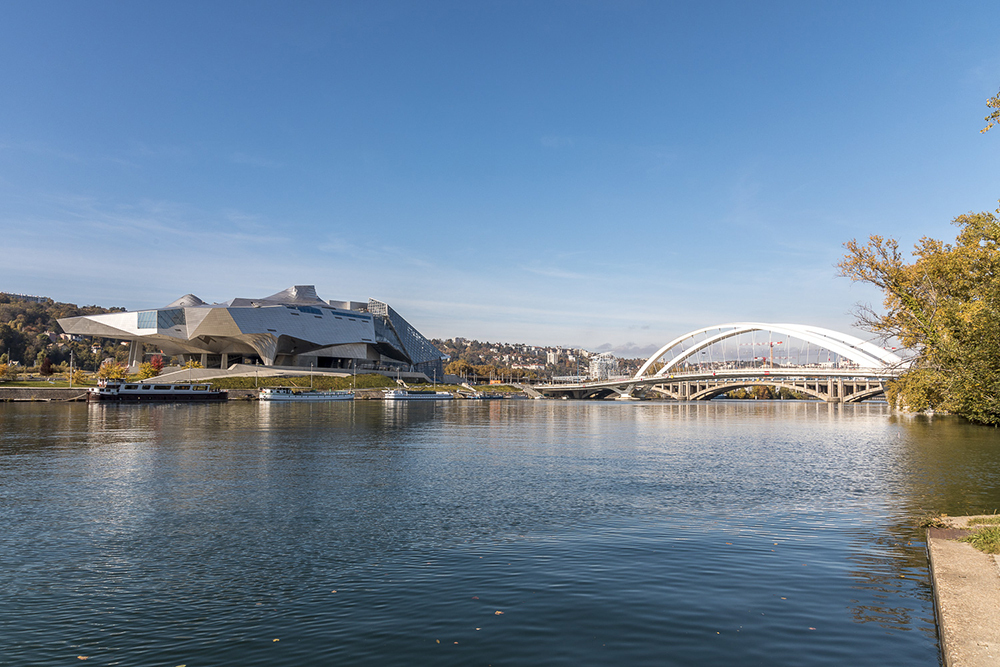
x: 709, y: 362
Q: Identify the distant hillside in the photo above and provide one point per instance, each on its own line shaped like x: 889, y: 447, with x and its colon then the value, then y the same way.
x: 29, y: 331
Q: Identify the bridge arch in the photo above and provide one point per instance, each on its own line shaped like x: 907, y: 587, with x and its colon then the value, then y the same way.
x: 862, y: 353
x: 719, y: 390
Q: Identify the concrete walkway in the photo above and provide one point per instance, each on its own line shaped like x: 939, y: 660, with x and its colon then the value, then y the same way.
x: 966, y: 585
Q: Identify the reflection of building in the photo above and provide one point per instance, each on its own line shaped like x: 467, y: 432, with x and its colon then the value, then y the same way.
x: 603, y: 366
x: 291, y: 328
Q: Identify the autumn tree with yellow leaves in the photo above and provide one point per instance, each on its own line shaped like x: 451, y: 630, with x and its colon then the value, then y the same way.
x: 944, y: 305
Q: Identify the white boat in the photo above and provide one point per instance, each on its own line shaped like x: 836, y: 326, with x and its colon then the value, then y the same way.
x: 143, y: 391
x: 416, y: 395
x: 287, y: 394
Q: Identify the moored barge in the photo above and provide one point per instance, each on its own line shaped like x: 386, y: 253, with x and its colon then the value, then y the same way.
x: 416, y: 395
x: 287, y: 394
x: 133, y: 392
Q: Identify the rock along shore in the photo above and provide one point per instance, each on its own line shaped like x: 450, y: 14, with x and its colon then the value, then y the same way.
x: 966, y: 585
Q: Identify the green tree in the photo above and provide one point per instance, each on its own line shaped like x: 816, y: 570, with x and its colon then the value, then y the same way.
x: 459, y: 367
x: 945, y: 306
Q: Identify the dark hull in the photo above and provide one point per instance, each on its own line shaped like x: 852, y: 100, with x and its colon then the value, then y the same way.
x: 157, y: 398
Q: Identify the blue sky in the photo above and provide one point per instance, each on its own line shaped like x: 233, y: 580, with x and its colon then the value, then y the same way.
x: 575, y: 173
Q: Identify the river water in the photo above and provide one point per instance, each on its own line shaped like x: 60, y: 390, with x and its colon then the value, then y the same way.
x: 476, y: 533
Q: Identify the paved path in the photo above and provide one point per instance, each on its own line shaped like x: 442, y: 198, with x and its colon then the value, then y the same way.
x: 967, y: 598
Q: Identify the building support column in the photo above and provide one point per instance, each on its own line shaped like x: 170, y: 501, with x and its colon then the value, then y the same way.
x: 204, y: 360
x: 225, y: 360
x: 134, y: 355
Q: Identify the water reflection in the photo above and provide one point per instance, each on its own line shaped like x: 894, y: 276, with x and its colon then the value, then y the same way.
x: 664, y: 533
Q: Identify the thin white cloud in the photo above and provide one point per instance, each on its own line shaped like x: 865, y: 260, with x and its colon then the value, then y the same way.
x: 255, y: 161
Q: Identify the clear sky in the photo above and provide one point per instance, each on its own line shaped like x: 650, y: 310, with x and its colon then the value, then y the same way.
x: 575, y: 173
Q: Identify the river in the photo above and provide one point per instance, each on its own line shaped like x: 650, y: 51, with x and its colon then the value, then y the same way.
x: 477, y: 532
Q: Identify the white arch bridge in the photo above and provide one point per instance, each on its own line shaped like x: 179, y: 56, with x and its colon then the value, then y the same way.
x: 706, y: 363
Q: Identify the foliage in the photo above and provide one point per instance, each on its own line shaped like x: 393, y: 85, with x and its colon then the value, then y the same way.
x: 46, y: 367
x: 192, y: 364
x: 460, y: 367
x: 147, y: 371
x: 765, y: 392
x: 993, y: 118
x: 112, y: 370
x: 156, y: 362
x: 933, y: 520
x: 77, y: 377
x: 946, y: 307
x: 984, y: 521
x: 24, y: 326
x: 987, y: 539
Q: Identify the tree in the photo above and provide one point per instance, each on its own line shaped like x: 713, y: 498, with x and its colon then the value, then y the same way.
x: 147, y: 371
x: 459, y: 367
x: 192, y: 364
x: 946, y: 307
x: 993, y: 118
x: 112, y: 370
x: 46, y: 367
x: 157, y: 363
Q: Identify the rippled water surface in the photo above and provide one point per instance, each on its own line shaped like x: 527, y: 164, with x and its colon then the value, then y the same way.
x: 486, y: 533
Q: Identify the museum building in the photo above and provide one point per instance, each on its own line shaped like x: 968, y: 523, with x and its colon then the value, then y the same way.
x: 293, y: 328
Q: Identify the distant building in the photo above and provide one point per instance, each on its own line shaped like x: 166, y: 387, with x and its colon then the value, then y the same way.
x: 603, y: 366
x: 552, y: 358
x: 24, y: 297
x: 291, y: 328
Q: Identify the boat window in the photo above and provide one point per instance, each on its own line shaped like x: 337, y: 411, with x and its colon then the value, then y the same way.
x: 338, y: 317
x: 145, y: 386
x: 131, y: 386
x: 181, y: 388
x: 161, y: 387
x: 199, y: 387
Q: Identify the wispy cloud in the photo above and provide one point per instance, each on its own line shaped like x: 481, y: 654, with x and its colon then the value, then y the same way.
x: 555, y: 273
x: 554, y: 141
x: 255, y: 161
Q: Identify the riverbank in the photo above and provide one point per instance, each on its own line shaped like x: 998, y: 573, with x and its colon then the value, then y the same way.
x: 966, y: 585
x: 42, y: 394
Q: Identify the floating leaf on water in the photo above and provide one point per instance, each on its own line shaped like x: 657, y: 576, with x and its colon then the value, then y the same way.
x: 81, y: 657
x: 475, y: 597
x: 438, y: 641
x: 498, y: 612
x: 277, y: 640
x: 333, y: 591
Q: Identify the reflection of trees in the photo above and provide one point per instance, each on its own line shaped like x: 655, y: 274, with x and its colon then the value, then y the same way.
x: 950, y: 466
x: 942, y: 465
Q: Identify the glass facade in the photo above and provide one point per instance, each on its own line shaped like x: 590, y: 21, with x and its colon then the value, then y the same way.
x: 160, y: 319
